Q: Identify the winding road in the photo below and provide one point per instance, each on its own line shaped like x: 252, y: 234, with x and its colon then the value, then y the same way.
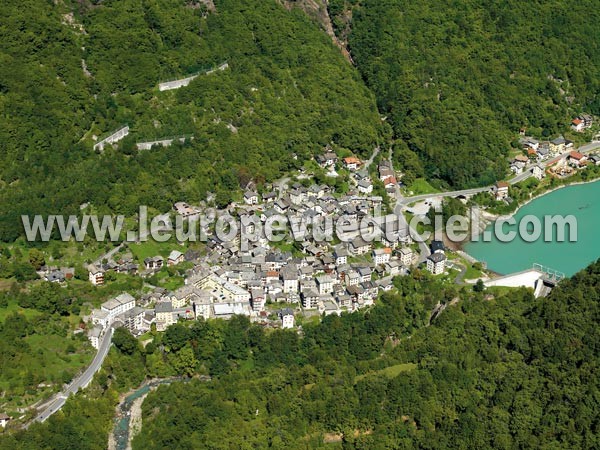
x: 517, y: 179
x: 402, y: 202
x: 80, y: 382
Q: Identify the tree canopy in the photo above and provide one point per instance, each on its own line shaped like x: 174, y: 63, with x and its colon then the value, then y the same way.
x: 459, y: 79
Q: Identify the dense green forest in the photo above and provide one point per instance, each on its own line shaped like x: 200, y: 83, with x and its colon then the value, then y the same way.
x: 455, y: 80
x: 458, y: 79
x: 497, y: 369
x: 70, y: 70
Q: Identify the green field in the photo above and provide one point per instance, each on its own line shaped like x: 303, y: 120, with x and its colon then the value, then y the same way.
x: 388, y: 372
x: 472, y: 273
x: 420, y: 187
x: 47, y: 358
x: 152, y: 248
x: 12, y: 307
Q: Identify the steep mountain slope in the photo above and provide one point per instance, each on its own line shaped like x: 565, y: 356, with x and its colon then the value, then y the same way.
x: 459, y: 79
x: 506, y: 372
x: 74, y: 70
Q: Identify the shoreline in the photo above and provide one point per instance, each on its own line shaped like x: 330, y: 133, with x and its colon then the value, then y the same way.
x: 489, y: 218
x: 540, y: 195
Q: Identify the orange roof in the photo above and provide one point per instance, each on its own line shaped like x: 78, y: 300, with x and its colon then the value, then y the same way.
x: 531, y: 152
x: 352, y: 160
x: 389, y: 180
x: 502, y: 184
x: 272, y: 273
x: 576, y: 121
x: 387, y: 250
x: 576, y: 155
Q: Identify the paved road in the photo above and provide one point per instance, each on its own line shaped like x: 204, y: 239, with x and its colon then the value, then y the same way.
x: 109, y: 255
x: 79, y: 382
x: 424, y: 251
x: 370, y: 160
x: 516, y: 179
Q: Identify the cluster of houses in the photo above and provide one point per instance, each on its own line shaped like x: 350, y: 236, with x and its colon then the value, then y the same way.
x: 125, y: 264
x: 582, y: 123
x: 56, y: 274
x: 244, y: 281
x: 231, y: 279
x: 241, y: 283
x: 538, y: 152
x: 262, y: 281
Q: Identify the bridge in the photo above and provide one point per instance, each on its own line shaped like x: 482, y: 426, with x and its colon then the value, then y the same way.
x: 551, y: 275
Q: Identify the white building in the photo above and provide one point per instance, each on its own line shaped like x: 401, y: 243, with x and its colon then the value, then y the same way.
x: 202, y: 307
x: 226, y: 310
x: 359, y: 246
x: 251, y: 198
x: 133, y: 319
x: 181, y: 297
x: 223, y: 289
x: 100, y: 317
x: 258, y: 299
x: 365, y: 186
x: 436, y: 263
x: 538, y: 172
x: 164, y: 315
x: 287, y: 318
x: 501, y: 190
x: 175, y: 257
x: 118, y: 305
x: 325, y: 284
x: 96, y: 275
x: 406, y: 256
x: 310, y: 299
x: 382, y: 255
x: 290, y: 281
x: 94, y: 337
x: 4, y: 419
x: 341, y: 256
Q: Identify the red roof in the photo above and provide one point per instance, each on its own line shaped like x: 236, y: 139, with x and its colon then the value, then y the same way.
x: 576, y: 155
x: 502, y: 184
x: 390, y: 180
x: 531, y: 152
x: 576, y: 121
x: 352, y: 160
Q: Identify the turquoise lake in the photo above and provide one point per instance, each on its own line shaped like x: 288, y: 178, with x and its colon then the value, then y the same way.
x: 582, y: 201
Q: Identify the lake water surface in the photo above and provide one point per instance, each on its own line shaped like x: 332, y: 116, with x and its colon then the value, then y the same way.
x: 583, y: 202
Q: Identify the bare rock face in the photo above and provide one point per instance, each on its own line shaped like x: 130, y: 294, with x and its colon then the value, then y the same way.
x: 317, y: 10
x: 208, y: 4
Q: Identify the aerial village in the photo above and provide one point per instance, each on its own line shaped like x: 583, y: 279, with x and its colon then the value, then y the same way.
x: 329, y: 277
x: 273, y: 285
x: 551, y: 155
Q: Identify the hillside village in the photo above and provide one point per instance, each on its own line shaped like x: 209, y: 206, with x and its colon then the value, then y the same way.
x: 315, y: 278
x: 538, y: 155
x: 273, y: 284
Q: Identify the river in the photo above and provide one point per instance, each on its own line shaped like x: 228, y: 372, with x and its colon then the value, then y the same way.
x: 582, y: 201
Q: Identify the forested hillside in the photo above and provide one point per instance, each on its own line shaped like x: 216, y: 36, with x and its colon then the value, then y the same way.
x: 459, y: 79
x: 511, y: 372
x: 497, y: 369
x: 71, y: 70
